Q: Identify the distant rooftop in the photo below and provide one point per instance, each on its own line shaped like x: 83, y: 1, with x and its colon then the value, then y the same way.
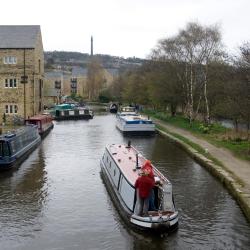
x: 53, y: 74
x: 79, y: 71
x: 18, y: 36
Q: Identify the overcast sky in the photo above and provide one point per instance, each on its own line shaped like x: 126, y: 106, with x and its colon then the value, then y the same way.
x: 125, y: 27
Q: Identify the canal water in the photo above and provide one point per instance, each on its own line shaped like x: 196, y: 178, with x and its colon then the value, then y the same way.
x: 57, y: 199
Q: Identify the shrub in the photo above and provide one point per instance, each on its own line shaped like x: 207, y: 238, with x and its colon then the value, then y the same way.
x: 204, y: 129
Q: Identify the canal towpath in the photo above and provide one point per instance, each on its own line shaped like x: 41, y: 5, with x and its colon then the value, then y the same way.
x: 234, y: 172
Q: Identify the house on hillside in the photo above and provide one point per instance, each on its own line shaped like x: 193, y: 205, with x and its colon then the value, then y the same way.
x: 21, y: 72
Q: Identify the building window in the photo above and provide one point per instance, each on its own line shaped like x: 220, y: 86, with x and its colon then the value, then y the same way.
x: 57, y: 84
x: 11, y: 109
x: 40, y: 88
x: 9, y: 60
x: 39, y: 66
x: 40, y: 106
x: 15, y: 109
x: 11, y: 83
x: 73, y: 80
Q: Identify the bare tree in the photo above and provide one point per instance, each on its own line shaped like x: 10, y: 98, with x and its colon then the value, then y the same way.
x: 193, y: 48
x: 95, y: 79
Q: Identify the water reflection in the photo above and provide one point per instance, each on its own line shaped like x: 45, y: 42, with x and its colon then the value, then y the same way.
x: 23, y: 198
x: 57, y: 200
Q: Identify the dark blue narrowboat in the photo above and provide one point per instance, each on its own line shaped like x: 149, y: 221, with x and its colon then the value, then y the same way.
x: 16, y: 146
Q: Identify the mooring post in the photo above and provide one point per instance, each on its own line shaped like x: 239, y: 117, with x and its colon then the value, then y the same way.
x: 137, y: 161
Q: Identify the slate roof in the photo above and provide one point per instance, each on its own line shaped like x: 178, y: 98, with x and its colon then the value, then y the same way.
x: 79, y: 71
x: 18, y: 36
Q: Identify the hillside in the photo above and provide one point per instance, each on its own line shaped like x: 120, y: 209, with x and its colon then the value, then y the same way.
x: 67, y: 59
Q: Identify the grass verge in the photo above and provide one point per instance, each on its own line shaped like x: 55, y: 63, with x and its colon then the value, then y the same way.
x: 215, y: 133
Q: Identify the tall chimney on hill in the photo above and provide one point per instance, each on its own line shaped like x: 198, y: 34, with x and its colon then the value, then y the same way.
x: 91, y: 46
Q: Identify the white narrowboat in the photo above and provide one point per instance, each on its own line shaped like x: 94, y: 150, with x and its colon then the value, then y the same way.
x: 135, y: 125
x: 120, y: 168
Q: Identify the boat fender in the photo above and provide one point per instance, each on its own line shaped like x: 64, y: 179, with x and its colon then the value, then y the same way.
x: 129, y: 144
x: 137, y: 162
x: 168, y: 197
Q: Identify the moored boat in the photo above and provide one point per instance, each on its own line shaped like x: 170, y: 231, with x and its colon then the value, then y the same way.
x: 127, y: 110
x: 120, y: 168
x: 16, y: 146
x: 78, y: 113
x: 113, y: 108
x: 44, y: 123
x: 135, y: 125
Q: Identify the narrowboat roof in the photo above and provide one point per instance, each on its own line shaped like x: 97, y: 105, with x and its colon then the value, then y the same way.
x: 8, y: 136
x: 125, y: 158
x: 64, y: 106
x: 38, y: 117
x: 135, y: 118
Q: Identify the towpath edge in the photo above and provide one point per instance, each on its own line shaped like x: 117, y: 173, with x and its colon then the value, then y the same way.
x: 232, y: 172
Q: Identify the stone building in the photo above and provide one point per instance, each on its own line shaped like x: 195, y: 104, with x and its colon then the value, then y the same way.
x: 78, y: 81
x: 21, y: 72
x: 56, y: 85
x: 61, y: 83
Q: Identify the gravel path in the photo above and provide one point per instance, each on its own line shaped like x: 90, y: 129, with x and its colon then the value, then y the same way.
x: 238, y: 167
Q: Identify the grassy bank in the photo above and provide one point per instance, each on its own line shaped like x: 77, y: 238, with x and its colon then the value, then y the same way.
x: 215, y: 133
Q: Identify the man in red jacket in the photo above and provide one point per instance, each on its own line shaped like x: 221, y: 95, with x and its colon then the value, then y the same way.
x: 148, y: 168
x: 143, y: 185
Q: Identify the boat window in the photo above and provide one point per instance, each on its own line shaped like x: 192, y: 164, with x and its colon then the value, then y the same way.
x: 19, y: 143
x: 1, y: 149
x: 32, y: 122
x: 127, y: 193
x: 13, y: 147
x: 110, y: 164
x: 4, y: 150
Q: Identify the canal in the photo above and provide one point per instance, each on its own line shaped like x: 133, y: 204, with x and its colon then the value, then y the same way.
x: 57, y: 199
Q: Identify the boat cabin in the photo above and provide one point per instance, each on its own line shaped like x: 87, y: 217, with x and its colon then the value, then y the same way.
x: 15, y: 146
x: 127, y: 111
x: 44, y: 122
